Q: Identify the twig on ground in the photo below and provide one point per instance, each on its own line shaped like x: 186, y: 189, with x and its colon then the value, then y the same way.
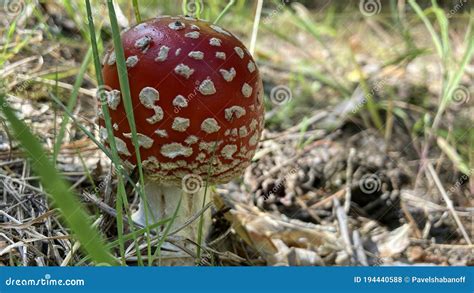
x: 449, y: 202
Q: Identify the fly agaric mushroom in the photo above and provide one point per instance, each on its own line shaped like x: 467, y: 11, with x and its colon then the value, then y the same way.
x: 197, y: 98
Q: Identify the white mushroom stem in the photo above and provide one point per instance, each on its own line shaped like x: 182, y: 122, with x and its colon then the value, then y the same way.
x: 162, y: 201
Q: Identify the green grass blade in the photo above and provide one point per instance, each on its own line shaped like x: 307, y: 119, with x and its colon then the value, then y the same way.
x: 130, y: 236
x: 467, y: 57
x: 371, y: 105
x: 166, y: 232
x: 91, y: 136
x: 256, y: 23
x: 124, y: 86
x: 81, y: 127
x: 136, y: 10
x: 453, y: 83
x: 70, y: 207
x: 224, y: 11
x: 429, y: 27
x: 201, y: 218
x: 72, y: 103
x: 444, y: 29
x: 9, y: 36
x: 121, y: 194
x: 127, y: 101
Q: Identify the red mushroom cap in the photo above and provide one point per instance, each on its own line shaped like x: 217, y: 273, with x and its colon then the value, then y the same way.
x: 197, y: 97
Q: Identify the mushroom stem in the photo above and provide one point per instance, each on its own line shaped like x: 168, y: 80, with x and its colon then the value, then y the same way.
x: 162, y: 201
